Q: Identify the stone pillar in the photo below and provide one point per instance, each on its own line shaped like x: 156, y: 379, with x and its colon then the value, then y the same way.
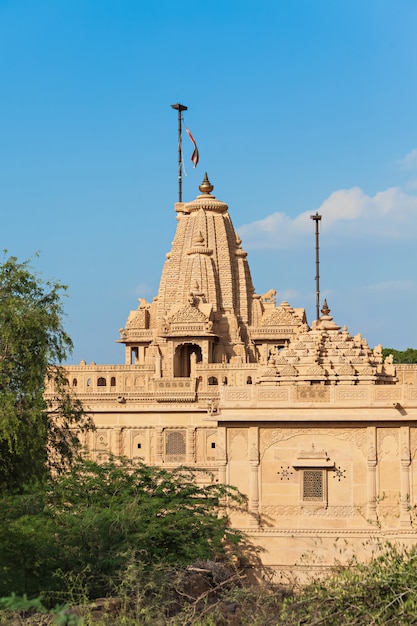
x: 141, y: 354
x: 158, y: 364
x: 158, y: 444
x: 191, y: 451
x: 405, y: 517
x: 372, y: 463
x: 116, y: 441
x: 90, y: 442
x: 221, y: 457
x: 253, y: 444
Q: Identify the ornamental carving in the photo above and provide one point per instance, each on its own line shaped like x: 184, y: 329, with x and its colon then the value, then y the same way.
x: 346, y: 370
x: 316, y: 370
x: 281, y: 360
x: 272, y: 436
x: 281, y: 317
x: 278, y: 393
x: 387, y: 442
x: 138, y: 319
x: 350, y: 393
x: 276, y: 511
x: 412, y: 393
x: 315, y: 393
x: 237, y: 432
x: 237, y: 394
x: 387, y: 394
x: 188, y: 314
x: 288, y: 370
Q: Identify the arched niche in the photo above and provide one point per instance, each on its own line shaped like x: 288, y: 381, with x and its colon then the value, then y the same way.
x: 182, y: 358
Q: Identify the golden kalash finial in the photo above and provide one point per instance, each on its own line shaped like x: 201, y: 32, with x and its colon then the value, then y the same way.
x: 206, y: 187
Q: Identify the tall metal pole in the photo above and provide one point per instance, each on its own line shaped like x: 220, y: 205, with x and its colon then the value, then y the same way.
x: 316, y: 218
x: 179, y: 108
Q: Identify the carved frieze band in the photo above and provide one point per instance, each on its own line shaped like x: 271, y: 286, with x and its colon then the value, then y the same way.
x: 237, y: 394
x: 349, y: 393
x: 277, y: 393
x: 315, y: 393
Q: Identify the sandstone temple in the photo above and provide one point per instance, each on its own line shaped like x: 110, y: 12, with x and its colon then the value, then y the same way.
x: 308, y: 421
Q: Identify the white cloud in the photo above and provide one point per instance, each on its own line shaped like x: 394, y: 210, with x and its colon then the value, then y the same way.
x: 346, y: 213
x: 410, y: 160
x: 412, y: 184
x: 287, y: 294
x: 392, y: 286
x: 141, y: 290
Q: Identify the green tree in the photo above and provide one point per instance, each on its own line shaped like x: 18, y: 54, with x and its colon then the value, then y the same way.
x: 34, y: 437
x: 401, y: 356
x: 100, y: 518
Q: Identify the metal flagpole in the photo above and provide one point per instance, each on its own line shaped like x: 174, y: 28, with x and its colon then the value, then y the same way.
x: 179, y: 108
x: 316, y: 218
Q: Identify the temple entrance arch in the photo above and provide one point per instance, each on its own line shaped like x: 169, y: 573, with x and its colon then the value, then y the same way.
x: 182, y: 358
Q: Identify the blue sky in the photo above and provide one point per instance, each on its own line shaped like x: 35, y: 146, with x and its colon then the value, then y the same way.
x: 297, y: 107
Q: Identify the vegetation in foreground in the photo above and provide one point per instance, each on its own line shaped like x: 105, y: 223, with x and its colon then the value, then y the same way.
x: 93, y: 522
x: 209, y: 593
x: 35, y: 438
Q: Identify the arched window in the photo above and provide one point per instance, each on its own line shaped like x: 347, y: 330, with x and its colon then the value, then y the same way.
x: 224, y: 380
x: 101, y: 382
x: 212, y: 380
x: 249, y: 380
x: 74, y: 382
x: 113, y: 381
x: 88, y: 382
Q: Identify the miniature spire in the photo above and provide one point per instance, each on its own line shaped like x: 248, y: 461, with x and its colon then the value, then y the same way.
x: 325, y: 310
x: 206, y: 187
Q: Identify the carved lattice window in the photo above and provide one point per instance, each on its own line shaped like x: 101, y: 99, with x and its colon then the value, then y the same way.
x: 313, y: 485
x: 101, y: 382
x: 175, y: 445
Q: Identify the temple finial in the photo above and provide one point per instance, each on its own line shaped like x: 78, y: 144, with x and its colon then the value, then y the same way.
x: 325, y: 310
x: 206, y: 187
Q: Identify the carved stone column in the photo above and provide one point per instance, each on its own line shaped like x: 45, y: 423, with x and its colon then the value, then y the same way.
x: 254, y: 476
x: 405, y: 517
x: 90, y: 438
x: 372, y: 463
x: 158, y: 445
x: 116, y: 441
x: 191, y: 451
x: 221, y: 457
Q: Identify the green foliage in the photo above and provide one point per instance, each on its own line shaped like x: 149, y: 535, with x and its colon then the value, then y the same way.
x: 401, y: 356
x: 34, y: 437
x: 98, y: 518
x: 381, y: 593
x: 22, y: 604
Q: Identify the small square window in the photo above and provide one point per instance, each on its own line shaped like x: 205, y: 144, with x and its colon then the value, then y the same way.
x: 213, y: 445
x: 139, y: 446
x: 313, y: 485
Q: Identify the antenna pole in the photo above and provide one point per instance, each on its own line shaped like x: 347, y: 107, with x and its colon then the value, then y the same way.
x: 179, y: 108
x: 316, y: 218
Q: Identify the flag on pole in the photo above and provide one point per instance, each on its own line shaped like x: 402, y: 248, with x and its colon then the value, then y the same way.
x: 195, y: 157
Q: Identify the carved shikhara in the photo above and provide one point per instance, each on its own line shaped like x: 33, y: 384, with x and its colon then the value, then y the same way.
x: 219, y: 377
